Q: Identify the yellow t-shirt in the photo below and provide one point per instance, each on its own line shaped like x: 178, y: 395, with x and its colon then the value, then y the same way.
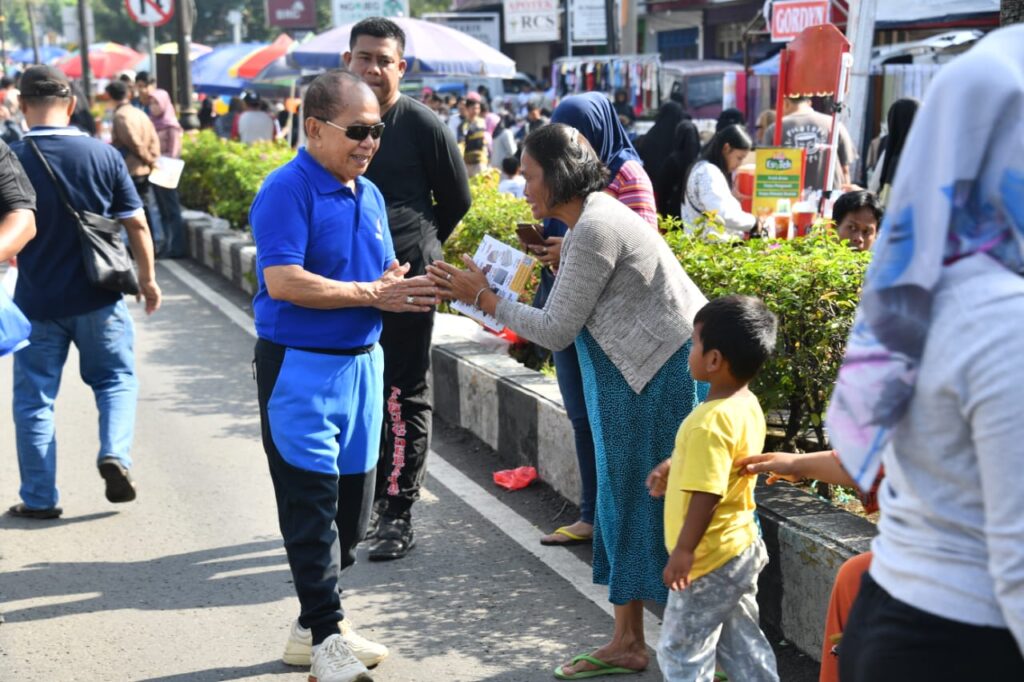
x: 709, y: 443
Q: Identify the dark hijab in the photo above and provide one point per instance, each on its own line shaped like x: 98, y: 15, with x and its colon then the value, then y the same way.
x: 729, y: 117
x: 593, y: 115
x: 901, y: 115
x: 668, y: 189
x: 658, y: 140
x: 621, y: 105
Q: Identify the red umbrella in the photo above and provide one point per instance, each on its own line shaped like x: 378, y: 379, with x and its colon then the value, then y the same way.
x: 106, y: 60
x: 252, y: 64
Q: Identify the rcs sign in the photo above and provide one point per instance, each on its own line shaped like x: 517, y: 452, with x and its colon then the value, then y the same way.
x: 531, y: 21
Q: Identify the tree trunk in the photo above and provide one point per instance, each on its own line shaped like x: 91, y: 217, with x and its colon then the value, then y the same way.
x: 1011, y: 12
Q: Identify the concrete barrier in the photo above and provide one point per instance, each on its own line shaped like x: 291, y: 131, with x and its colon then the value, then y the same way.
x: 519, y: 413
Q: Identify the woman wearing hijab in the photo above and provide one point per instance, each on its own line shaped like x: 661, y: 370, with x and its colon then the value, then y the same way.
x: 901, y: 116
x: 625, y: 112
x: 657, y: 143
x: 929, y: 389
x: 503, y: 142
x: 668, y: 187
x: 593, y: 116
x: 729, y: 117
x: 623, y: 299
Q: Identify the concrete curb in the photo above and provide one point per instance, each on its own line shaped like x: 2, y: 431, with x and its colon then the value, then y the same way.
x: 519, y: 413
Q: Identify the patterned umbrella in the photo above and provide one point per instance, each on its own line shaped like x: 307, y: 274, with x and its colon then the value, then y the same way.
x: 105, y: 59
x: 251, y: 65
x: 429, y: 48
x: 47, y: 54
x: 210, y: 73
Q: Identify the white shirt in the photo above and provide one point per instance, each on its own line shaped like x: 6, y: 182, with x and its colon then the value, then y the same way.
x: 707, y: 189
x: 513, y: 186
x: 951, y: 534
x: 255, y: 126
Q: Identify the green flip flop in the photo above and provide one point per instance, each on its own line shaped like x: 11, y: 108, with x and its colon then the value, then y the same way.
x: 602, y: 669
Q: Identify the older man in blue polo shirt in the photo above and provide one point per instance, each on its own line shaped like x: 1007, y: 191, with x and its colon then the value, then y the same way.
x: 326, y: 270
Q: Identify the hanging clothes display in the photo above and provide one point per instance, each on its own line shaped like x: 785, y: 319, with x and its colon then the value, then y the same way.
x: 638, y: 75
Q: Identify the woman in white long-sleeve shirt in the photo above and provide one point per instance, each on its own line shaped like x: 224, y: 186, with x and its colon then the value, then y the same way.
x: 708, y: 186
x: 931, y: 387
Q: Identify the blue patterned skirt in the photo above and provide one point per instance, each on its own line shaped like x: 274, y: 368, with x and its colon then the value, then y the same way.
x: 632, y: 434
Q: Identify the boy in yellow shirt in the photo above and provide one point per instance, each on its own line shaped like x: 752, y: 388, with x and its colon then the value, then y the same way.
x: 715, y: 552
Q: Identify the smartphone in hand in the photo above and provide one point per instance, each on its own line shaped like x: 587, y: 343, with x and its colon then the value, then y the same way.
x: 530, y: 234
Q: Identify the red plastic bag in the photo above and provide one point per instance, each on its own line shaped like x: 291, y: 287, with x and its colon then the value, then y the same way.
x: 515, y: 479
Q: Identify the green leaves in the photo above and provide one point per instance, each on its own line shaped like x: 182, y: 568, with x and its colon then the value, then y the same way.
x: 222, y: 177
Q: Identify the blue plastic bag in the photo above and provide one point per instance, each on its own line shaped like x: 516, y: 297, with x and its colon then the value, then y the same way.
x: 14, y: 326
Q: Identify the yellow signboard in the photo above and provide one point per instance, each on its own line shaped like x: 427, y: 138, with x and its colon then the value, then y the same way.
x: 779, y: 174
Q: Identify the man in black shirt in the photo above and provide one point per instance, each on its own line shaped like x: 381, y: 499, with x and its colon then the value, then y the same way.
x: 419, y: 170
x: 17, y: 205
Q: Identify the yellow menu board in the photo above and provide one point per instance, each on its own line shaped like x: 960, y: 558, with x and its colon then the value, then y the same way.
x: 779, y: 174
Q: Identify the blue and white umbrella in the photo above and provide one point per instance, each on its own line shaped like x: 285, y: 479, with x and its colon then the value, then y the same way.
x: 429, y: 49
x: 210, y: 73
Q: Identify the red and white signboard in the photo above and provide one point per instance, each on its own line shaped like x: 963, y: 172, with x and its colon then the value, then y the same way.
x: 790, y: 17
x: 150, y: 12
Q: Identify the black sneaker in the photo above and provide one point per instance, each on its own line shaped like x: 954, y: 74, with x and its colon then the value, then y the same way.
x: 395, y: 539
x: 120, y: 487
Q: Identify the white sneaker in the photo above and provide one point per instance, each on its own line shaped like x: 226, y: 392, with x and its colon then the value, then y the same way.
x: 298, y: 651
x: 369, y: 653
x: 334, y: 662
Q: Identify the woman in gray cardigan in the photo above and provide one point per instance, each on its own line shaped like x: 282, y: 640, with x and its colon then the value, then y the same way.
x: 623, y: 299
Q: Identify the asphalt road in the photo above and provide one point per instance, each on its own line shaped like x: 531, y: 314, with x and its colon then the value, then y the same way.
x: 190, y: 582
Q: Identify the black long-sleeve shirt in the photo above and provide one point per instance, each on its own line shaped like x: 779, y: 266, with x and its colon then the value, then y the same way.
x: 419, y: 170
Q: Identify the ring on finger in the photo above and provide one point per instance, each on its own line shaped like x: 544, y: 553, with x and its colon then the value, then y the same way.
x: 410, y: 300
x: 449, y: 276
x: 544, y: 251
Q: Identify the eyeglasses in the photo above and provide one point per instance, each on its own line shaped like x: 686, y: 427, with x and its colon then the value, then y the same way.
x: 358, y: 132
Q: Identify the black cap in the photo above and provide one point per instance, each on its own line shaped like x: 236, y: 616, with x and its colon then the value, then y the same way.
x: 44, y: 81
x: 250, y: 97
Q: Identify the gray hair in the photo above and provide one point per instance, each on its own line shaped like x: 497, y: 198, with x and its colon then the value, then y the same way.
x: 324, y: 98
x: 572, y: 169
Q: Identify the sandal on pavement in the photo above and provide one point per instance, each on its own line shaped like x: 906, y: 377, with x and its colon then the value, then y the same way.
x: 572, y: 538
x: 22, y: 512
x: 602, y: 669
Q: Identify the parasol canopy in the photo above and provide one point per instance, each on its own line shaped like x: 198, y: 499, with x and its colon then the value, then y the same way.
x: 47, y: 54
x: 429, y: 48
x: 105, y: 59
x: 211, y: 72
x: 251, y: 65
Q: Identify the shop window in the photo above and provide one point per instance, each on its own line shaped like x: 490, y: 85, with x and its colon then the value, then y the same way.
x: 678, y: 44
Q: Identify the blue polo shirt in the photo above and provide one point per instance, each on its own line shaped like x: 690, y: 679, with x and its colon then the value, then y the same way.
x: 305, y: 216
x: 51, y: 275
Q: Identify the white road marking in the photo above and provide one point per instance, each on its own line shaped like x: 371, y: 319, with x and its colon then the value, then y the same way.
x: 565, y: 564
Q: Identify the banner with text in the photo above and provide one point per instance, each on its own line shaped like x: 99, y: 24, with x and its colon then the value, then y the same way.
x: 589, y: 23
x: 350, y: 11
x: 531, y: 21
x: 779, y: 174
x: 291, y: 13
x: 481, y: 25
x: 790, y: 17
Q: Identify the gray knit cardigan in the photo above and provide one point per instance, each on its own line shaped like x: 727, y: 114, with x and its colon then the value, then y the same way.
x: 619, y: 279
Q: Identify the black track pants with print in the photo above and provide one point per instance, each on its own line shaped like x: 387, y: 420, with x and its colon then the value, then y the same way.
x: 407, y: 411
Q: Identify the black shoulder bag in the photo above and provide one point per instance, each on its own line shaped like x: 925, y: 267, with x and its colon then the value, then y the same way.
x: 108, y: 265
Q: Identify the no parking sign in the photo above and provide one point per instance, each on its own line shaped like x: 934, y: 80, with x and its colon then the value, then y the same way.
x: 150, y: 12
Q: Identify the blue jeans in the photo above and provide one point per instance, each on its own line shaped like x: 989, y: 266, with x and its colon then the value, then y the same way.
x: 570, y: 383
x: 171, y: 222
x: 105, y: 339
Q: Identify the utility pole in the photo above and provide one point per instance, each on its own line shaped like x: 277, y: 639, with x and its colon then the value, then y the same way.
x: 32, y: 30
x: 860, y: 30
x: 83, y: 51
x: 183, y: 23
x: 611, y: 26
x: 3, y: 38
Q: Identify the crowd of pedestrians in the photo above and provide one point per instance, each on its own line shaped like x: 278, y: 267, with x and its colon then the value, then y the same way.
x: 349, y: 272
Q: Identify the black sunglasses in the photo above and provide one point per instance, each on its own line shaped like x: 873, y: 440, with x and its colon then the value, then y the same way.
x: 358, y: 132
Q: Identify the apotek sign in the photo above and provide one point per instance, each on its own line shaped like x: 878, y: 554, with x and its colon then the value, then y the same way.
x: 790, y: 17
x: 291, y: 13
x: 531, y: 21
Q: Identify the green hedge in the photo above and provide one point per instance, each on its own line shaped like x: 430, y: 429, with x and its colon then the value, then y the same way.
x: 221, y: 177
